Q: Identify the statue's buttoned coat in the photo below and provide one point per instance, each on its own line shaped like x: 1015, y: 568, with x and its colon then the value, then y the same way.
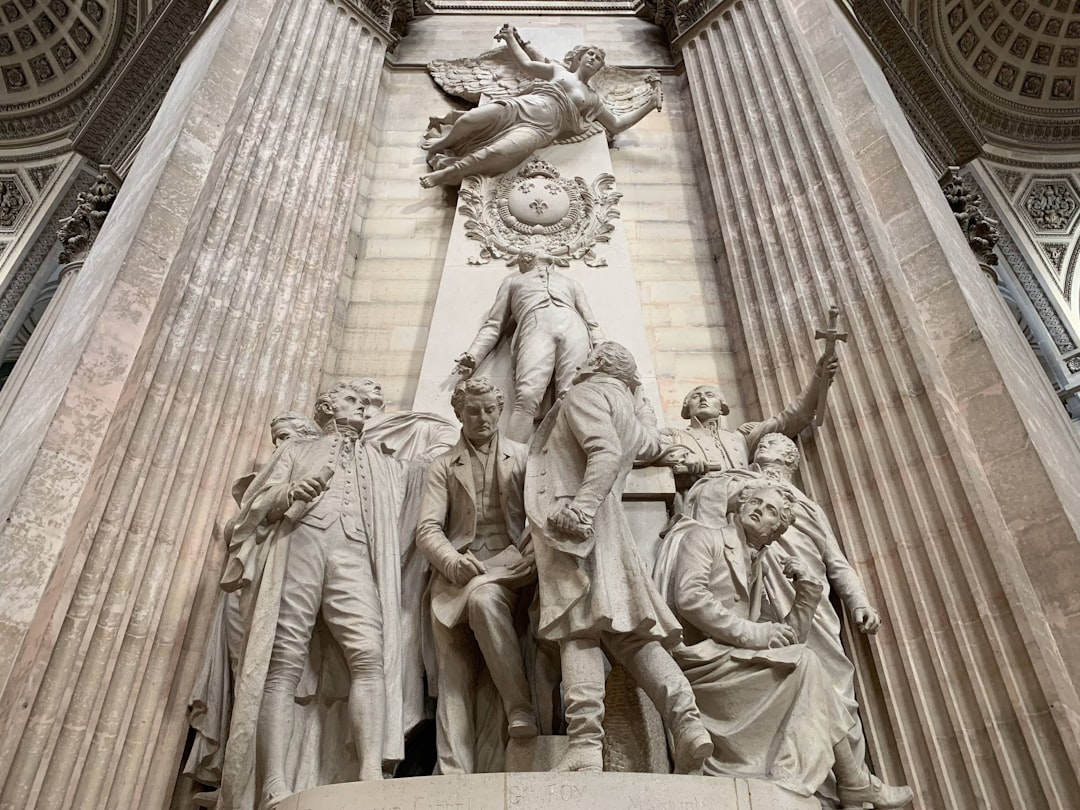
x: 581, y: 454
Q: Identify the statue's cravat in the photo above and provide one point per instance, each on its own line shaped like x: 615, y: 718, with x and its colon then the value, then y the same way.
x: 756, y: 584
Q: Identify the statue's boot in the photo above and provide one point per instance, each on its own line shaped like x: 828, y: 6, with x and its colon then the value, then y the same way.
x: 875, y: 793
x: 521, y: 723
x: 657, y: 673
x: 857, y: 787
x: 367, y: 712
x: 584, y: 727
x: 272, y: 735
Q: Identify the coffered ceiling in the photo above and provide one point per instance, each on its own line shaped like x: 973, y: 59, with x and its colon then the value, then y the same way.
x: 1017, y: 63
x: 50, y: 51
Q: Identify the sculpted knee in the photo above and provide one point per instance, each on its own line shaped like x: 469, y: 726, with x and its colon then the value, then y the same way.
x: 283, y: 676
x: 484, y: 605
x: 365, y: 662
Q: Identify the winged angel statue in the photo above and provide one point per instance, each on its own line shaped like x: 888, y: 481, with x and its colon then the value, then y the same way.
x: 533, y: 102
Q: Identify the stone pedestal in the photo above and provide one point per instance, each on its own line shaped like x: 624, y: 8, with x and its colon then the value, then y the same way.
x: 544, y: 791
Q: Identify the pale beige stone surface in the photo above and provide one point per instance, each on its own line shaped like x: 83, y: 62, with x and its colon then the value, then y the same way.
x: 401, y: 232
x: 947, y: 459
x: 543, y: 791
x: 202, y: 309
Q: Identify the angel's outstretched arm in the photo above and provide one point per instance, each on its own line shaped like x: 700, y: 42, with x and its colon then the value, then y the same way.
x: 539, y: 70
x: 617, y: 123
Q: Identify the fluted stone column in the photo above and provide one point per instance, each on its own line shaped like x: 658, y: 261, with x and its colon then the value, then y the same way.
x: 29, y: 355
x: 948, y: 463
x: 203, y: 309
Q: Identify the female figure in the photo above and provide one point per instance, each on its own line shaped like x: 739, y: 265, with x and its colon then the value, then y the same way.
x: 559, y: 104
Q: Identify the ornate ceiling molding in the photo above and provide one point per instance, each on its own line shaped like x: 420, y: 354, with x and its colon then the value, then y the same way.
x: 1016, y: 62
x: 944, y: 126
x: 122, y: 105
x: 529, y: 6
x: 50, y: 52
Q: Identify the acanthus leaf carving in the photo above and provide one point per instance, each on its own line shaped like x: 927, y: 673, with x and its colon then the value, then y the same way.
x: 78, y: 231
x: 981, y: 230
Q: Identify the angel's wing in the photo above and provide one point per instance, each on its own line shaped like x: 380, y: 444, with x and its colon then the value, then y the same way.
x: 622, y: 90
x: 493, y: 73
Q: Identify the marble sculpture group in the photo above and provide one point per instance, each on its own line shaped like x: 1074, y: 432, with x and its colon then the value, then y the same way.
x: 382, y: 564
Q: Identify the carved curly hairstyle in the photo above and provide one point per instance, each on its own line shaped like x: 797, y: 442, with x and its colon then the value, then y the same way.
x: 787, y: 512
x: 326, y: 401
x: 615, y: 359
x: 573, y: 56
x: 473, y: 387
x: 303, y: 425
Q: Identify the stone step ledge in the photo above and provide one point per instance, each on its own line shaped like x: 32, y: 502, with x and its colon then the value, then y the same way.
x: 544, y: 791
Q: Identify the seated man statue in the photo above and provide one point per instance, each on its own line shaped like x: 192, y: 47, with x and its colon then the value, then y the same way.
x: 810, y: 540
x: 595, y: 593
x: 472, y: 531
x: 714, y: 448
x: 764, y: 695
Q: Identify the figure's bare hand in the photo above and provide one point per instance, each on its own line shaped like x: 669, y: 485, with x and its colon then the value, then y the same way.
x: 867, y: 620
x: 652, y: 78
x: 796, y: 570
x: 306, y: 490
x: 465, y: 365
x: 695, y: 465
x: 827, y: 367
x: 779, y: 634
x: 680, y: 456
x: 525, y: 567
x: 566, y: 521
x: 464, y: 567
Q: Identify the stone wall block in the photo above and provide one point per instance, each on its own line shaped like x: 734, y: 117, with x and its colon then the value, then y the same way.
x: 246, y: 329
x: 958, y: 688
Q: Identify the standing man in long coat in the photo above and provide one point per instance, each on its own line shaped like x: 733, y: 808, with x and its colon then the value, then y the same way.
x: 332, y: 509
x: 595, y: 592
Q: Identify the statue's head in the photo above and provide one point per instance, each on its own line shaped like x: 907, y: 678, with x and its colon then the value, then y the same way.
x: 292, y: 425
x: 704, y: 403
x: 528, y: 260
x: 478, y: 405
x: 764, y: 511
x: 612, y: 359
x: 776, y: 448
x: 589, y: 56
x: 342, y: 404
x: 374, y: 391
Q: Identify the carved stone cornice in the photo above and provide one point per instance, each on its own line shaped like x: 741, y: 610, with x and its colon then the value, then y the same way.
x: 127, y: 98
x: 945, y: 127
x: 529, y: 6
x: 679, y: 17
x: 942, y: 122
x: 387, y: 17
